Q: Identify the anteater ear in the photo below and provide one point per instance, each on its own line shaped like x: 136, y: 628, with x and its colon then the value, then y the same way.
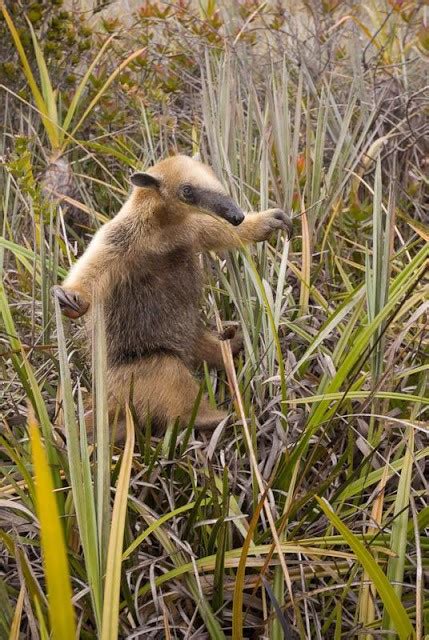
x: 145, y: 180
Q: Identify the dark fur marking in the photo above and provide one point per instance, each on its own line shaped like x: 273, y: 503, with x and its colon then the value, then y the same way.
x: 132, y: 356
x: 154, y: 308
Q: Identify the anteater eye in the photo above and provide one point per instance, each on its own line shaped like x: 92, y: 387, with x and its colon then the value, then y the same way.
x: 188, y: 192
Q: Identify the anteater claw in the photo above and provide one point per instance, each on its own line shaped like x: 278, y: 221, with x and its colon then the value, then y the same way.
x: 71, y: 304
x: 234, y: 335
x: 284, y: 220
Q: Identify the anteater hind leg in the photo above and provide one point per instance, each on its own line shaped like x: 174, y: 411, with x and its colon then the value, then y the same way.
x: 164, y: 389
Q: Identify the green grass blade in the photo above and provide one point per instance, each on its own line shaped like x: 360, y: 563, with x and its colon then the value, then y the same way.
x: 77, y: 97
x: 396, y: 565
x: 14, y: 342
x: 80, y: 479
x: 356, y: 487
x: 110, y: 624
x: 399, y: 616
x: 101, y: 424
x: 49, y: 96
x: 37, y: 96
x: 409, y: 275
x: 28, y: 257
x: 158, y: 523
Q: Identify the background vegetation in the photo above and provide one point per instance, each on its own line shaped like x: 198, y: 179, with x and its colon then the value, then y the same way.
x: 307, y: 517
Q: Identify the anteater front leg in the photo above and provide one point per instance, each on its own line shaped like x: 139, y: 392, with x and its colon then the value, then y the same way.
x: 92, y: 274
x: 214, y: 234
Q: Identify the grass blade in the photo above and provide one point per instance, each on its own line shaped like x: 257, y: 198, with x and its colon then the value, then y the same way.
x: 114, y: 555
x: 396, y: 565
x: 37, y: 96
x: 104, y: 88
x: 367, y: 595
x: 101, y: 424
x: 61, y: 614
x: 237, y: 608
x: 83, y: 83
x: 399, y: 616
x: 49, y: 97
x: 16, y: 622
x: 80, y: 478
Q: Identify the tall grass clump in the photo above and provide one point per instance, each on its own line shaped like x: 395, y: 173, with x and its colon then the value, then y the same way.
x: 306, y: 516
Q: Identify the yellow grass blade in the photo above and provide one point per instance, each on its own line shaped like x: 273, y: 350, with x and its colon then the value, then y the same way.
x: 55, y: 563
x: 16, y: 622
x: 109, y: 630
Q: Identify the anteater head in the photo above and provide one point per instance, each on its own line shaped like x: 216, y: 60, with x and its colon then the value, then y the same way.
x: 189, y: 186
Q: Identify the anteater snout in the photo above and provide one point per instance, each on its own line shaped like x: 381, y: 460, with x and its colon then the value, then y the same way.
x: 231, y: 212
x: 237, y: 219
x: 220, y: 204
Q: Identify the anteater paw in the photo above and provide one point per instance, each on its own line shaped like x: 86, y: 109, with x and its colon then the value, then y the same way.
x: 277, y: 219
x: 234, y: 335
x: 71, y: 303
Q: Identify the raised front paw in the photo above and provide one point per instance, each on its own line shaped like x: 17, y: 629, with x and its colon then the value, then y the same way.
x: 275, y: 219
x: 71, y: 303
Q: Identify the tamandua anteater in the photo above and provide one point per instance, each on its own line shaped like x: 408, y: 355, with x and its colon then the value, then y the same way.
x: 143, y: 266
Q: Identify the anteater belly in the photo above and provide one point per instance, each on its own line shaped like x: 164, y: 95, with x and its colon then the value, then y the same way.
x: 153, y: 309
